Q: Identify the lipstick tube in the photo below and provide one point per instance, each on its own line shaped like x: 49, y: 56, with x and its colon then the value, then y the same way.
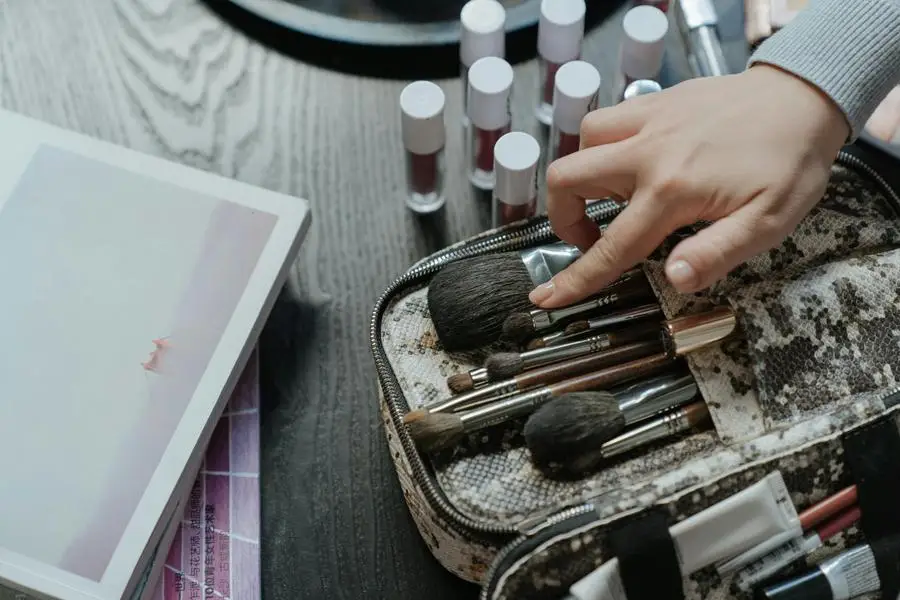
x: 482, y: 33
x: 490, y: 85
x: 516, y: 157
x: 574, y: 96
x: 560, y: 35
x: 424, y: 136
x: 644, y: 32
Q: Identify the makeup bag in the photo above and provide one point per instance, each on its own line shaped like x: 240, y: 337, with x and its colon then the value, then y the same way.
x: 809, y: 386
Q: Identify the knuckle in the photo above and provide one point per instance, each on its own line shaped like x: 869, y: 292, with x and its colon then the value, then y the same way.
x: 668, y: 184
x: 588, y: 125
x: 555, y: 178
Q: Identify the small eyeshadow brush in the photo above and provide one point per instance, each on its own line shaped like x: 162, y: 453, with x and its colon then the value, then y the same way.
x: 630, y: 288
x: 504, y: 365
x: 542, y: 375
x: 432, y: 432
x: 579, y: 329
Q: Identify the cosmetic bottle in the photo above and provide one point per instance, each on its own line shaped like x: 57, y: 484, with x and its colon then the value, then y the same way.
x: 643, y: 45
x: 516, y: 157
x: 424, y: 135
x: 490, y: 85
x: 560, y: 34
x: 482, y: 33
x: 640, y: 87
x: 662, y: 5
x: 574, y: 96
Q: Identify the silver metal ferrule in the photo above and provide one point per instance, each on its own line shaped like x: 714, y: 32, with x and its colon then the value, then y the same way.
x: 464, y: 401
x: 641, y: 87
x: 698, y: 25
x: 600, y: 323
x: 545, y: 356
x: 479, y: 377
x: 657, y: 429
x: 504, y: 409
x: 649, y: 397
x: 543, y: 262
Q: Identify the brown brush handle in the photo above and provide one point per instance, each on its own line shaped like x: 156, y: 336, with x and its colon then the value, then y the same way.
x: 591, y: 362
x: 612, y: 375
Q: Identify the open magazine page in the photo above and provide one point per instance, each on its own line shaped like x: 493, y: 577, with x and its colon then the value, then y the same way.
x: 215, y: 553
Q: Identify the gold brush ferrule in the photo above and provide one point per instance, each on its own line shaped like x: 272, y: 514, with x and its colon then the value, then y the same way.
x: 692, y: 332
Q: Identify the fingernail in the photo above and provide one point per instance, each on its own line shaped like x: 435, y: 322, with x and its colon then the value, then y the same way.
x: 541, y: 292
x: 682, y: 275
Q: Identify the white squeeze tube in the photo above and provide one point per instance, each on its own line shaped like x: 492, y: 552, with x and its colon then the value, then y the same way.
x: 724, y: 530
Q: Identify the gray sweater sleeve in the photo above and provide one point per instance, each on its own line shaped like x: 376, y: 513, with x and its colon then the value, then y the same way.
x: 849, y: 49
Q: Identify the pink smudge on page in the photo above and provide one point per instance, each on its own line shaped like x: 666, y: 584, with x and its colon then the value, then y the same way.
x: 215, y: 553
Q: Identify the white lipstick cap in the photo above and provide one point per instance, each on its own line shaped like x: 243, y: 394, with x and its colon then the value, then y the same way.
x: 561, y: 30
x: 482, y: 30
x: 574, y: 95
x: 490, y: 83
x: 643, y: 43
x: 516, y: 156
x: 422, y: 117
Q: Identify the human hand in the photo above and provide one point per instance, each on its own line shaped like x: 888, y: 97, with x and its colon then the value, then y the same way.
x: 750, y: 152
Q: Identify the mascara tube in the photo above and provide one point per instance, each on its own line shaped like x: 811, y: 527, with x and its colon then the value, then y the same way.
x: 560, y: 34
x: 575, y: 95
x: 516, y: 157
x: 490, y: 85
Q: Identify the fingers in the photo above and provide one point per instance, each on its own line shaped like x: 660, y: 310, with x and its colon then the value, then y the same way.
x: 704, y: 258
x: 592, y: 173
x: 631, y: 237
x: 616, y: 123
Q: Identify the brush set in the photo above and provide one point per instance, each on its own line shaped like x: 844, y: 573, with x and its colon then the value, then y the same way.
x: 593, y: 380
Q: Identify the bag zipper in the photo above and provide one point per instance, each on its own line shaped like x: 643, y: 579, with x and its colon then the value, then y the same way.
x: 533, y: 232
x: 550, y: 528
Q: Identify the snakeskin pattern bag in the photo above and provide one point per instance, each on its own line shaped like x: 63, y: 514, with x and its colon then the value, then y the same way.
x: 815, y: 359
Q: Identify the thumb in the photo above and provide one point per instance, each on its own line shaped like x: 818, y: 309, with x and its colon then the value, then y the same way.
x: 630, y: 238
x: 704, y: 258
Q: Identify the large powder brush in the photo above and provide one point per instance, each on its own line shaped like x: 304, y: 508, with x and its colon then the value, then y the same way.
x: 469, y: 299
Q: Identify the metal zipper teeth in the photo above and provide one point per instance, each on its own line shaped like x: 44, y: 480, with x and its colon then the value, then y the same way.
x: 528, y: 235
x: 507, y: 241
x: 556, y: 519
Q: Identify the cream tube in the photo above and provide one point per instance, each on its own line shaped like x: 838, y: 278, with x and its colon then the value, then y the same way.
x: 726, y: 529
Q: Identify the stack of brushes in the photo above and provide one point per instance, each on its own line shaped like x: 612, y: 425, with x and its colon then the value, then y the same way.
x: 595, y: 380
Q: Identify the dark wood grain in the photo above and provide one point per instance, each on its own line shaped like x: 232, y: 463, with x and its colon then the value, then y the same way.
x: 169, y: 78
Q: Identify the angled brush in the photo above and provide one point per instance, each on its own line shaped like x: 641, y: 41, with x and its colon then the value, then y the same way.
x: 541, y: 376
x: 441, y: 430
x: 581, y: 328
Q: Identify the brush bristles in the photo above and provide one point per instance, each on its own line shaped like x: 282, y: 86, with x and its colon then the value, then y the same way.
x: 503, y: 365
x: 469, y: 299
x: 565, y: 430
x: 459, y: 383
x: 518, y: 327
x: 414, y: 415
x: 536, y: 343
x: 436, y: 431
x: 577, y: 327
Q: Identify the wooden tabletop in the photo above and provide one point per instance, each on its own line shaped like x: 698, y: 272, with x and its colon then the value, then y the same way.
x: 168, y: 77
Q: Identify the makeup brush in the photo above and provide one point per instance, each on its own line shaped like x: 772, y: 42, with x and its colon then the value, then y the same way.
x: 597, y: 324
x: 541, y: 376
x: 631, y: 287
x: 504, y: 365
x: 577, y: 424
x: 437, y: 431
x: 469, y: 299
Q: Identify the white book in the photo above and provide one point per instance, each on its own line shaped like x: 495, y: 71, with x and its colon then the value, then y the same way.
x: 132, y: 291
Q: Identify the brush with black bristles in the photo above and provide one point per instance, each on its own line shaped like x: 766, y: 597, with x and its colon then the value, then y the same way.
x: 503, y: 365
x: 583, y: 456
x: 541, y: 376
x: 574, y: 425
x: 683, y: 335
x: 580, y: 328
x: 470, y: 298
x: 632, y: 287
